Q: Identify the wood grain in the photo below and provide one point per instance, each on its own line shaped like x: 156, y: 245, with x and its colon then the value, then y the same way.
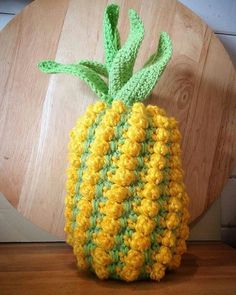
x: 37, y: 111
x: 50, y: 268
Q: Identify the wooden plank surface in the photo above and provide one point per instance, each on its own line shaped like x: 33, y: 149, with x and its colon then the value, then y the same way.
x: 37, y: 111
x: 50, y: 268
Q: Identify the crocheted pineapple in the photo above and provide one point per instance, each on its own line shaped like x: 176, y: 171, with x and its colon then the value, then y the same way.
x: 126, y: 205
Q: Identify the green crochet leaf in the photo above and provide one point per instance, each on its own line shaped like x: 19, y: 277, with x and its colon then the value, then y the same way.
x: 118, y: 69
x: 111, y: 34
x: 142, y: 82
x: 95, y: 82
x: 122, y: 66
x: 97, y: 67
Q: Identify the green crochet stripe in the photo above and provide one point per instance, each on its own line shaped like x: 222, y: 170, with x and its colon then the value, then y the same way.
x: 119, y: 62
x: 102, y: 182
x: 90, y: 138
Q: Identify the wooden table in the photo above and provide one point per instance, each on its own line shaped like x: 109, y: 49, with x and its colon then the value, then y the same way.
x: 49, y: 268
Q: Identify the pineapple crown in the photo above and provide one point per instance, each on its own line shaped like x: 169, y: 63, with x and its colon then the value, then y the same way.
x: 115, y: 79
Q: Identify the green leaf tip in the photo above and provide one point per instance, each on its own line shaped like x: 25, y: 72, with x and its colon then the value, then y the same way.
x: 119, y: 62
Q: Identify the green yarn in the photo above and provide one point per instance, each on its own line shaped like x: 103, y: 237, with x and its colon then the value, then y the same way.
x: 110, y: 33
x: 122, y: 66
x: 119, y: 62
x: 141, y: 83
x: 85, y: 73
x: 95, y: 66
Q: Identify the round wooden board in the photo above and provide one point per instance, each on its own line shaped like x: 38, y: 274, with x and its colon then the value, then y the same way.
x: 37, y: 110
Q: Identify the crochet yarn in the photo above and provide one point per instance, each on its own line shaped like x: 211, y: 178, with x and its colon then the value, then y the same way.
x: 126, y: 206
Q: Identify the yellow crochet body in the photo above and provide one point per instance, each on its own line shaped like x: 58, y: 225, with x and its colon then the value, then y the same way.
x: 128, y: 216
x: 126, y: 205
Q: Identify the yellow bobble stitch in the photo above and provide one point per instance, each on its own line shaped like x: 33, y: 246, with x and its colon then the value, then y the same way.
x: 158, y: 271
x: 69, y: 201
x: 82, y: 263
x: 138, y: 121
x: 175, y: 205
x: 98, y: 106
x: 105, y: 134
x: 117, y: 193
x: 69, y: 240
x: 155, y: 110
x: 80, y: 236
x: 175, y: 262
x: 140, y: 241
x: 95, y: 163
x: 154, y: 175
x: 85, y: 123
x: 74, y: 161
x: 85, y: 206
x: 175, y: 188
x: 175, y: 149
x: 176, y: 175
x: 173, y: 122
x: 134, y: 258
x: 149, y: 208
x: 78, y: 250
x: 110, y: 225
x: 185, y: 199
x: 172, y: 220
x: 161, y: 148
x: 169, y: 239
x: 145, y: 225
x: 129, y: 274
x: 70, y: 186
x: 100, y: 256
x: 101, y: 271
x: 123, y: 177
x: 72, y: 173
x: 151, y: 191
x: 162, y: 135
x: 68, y: 213
x: 164, y: 256
x: 90, y: 177
x: 104, y: 240
x: 175, y: 162
x: 184, y: 231
x: 82, y: 222
x: 136, y: 134
x: 131, y: 148
x: 111, y: 118
x: 118, y: 106
x: 181, y: 247
x: 161, y: 121
x: 175, y: 135
x: 138, y: 107
x: 87, y: 190
x: 152, y: 110
x: 185, y: 215
x: 76, y: 147
x: 112, y: 209
x: 100, y: 147
x: 67, y: 227
x: 127, y: 162
x: 158, y: 161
